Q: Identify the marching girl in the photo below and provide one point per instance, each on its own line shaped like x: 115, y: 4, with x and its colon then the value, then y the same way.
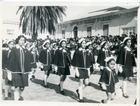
x: 53, y: 51
x: 109, y: 79
x: 90, y: 49
x: 82, y: 61
x: 127, y: 62
x: 103, y: 54
x: 5, y: 56
x: 34, y: 59
x: 62, y: 60
x: 45, y: 59
x: 19, y: 67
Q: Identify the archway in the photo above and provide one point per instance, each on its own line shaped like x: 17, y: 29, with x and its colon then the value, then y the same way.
x: 75, y: 32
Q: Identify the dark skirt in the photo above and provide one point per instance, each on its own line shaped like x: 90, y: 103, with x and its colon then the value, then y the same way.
x: 91, y: 70
x: 33, y: 65
x: 19, y: 80
x: 111, y: 87
x: 47, y: 68
x: 83, y: 74
x: 63, y: 71
x: 127, y: 72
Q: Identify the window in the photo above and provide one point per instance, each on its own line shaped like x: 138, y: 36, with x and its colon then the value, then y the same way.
x: 89, y: 31
x: 129, y: 31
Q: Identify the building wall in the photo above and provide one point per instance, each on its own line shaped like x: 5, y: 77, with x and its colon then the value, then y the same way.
x: 116, y: 25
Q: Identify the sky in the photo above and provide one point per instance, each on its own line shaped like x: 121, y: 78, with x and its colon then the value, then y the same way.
x: 73, y: 10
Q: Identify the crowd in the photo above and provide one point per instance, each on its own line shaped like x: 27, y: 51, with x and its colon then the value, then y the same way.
x: 115, y: 55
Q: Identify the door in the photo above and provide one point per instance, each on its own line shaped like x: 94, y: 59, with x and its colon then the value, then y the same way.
x: 75, y: 32
x: 105, y: 30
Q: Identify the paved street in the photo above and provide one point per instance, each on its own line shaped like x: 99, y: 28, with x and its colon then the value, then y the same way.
x: 92, y: 94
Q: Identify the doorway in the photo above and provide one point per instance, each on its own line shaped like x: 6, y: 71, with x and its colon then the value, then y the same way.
x: 105, y: 30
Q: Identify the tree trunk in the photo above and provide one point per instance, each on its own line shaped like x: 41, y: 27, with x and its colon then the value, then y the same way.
x: 34, y: 36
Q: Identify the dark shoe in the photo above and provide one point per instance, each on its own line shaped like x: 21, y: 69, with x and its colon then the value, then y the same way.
x: 46, y: 86
x: 81, y: 100
x: 21, y: 98
x: 6, y: 98
x: 3, y: 91
x: 104, y: 101
x: 89, y: 84
x: 9, y: 94
x: 62, y: 92
x: 33, y: 76
x: 77, y: 91
x: 125, y: 95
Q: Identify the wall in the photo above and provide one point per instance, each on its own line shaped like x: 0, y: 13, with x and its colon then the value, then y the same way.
x: 116, y: 25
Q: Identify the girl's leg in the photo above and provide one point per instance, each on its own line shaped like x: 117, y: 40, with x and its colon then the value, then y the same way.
x: 109, y: 97
x: 21, y: 89
x: 80, y: 91
x: 6, y: 91
x: 125, y: 88
x: 86, y: 82
x: 16, y: 93
x: 45, y: 78
x: 62, y: 79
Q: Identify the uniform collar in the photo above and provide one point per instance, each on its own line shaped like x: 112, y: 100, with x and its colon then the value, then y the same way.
x: 128, y: 49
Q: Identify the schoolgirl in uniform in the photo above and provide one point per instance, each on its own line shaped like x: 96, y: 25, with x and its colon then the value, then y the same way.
x: 5, y: 56
x: 82, y: 61
x: 53, y: 51
x: 103, y: 54
x: 127, y: 62
x: 19, y: 65
x: 62, y: 60
x: 109, y: 79
x: 34, y: 60
x: 90, y: 50
x: 45, y: 59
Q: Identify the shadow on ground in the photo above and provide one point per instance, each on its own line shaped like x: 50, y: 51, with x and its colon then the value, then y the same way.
x: 90, y: 101
x: 56, y: 88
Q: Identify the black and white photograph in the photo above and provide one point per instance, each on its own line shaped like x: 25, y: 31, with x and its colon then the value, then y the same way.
x: 70, y: 52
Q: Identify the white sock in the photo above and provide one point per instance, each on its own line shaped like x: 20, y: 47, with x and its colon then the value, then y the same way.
x: 80, y: 92
x: 124, y: 87
x: 20, y: 92
x: 9, y: 89
x: 61, y: 85
x: 16, y: 95
x: 6, y: 90
x: 45, y: 79
x: 3, y: 84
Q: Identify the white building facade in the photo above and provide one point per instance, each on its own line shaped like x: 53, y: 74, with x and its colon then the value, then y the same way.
x: 117, y: 22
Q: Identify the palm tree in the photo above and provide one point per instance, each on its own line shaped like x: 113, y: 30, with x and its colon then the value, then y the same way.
x: 39, y: 19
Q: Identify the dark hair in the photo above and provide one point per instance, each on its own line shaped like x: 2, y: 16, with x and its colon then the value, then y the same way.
x: 61, y: 42
x: 4, y: 45
x: 104, y: 44
x: 10, y: 42
x: 110, y: 61
x: 126, y: 41
x: 19, y: 37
